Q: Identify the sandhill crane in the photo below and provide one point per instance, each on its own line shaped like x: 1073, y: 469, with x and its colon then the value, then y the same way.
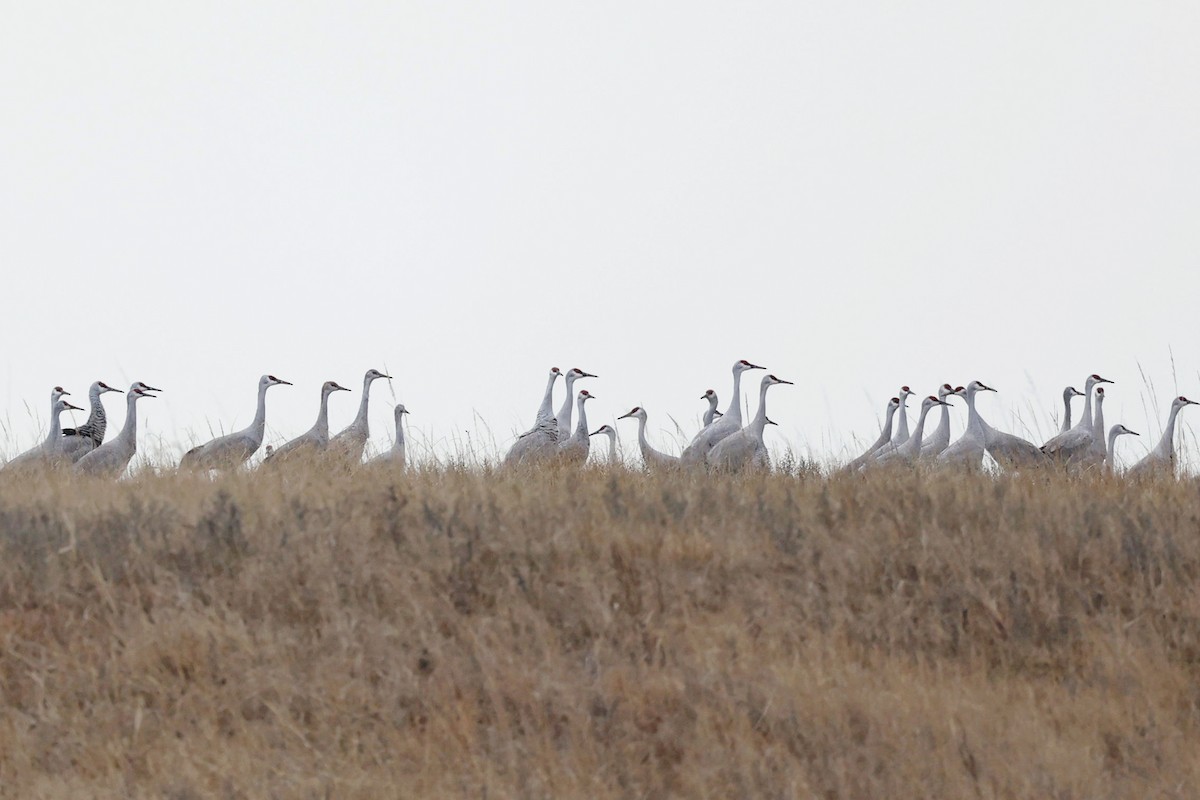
x: 316, y: 438
x: 885, y: 436
x: 909, y: 451
x: 50, y: 452
x: 541, y: 440
x: 1007, y: 449
x: 89, y: 435
x: 1067, y: 447
x: 1162, y: 457
x: 653, y: 459
x: 711, y: 412
x: 969, y: 448
x: 563, y: 419
x: 396, y: 455
x: 232, y: 450
x: 112, y: 458
x: 745, y: 448
x: 939, y: 440
x: 350, y: 442
x: 608, y: 430
x: 697, y: 451
x: 1109, y: 456
x: 1068, y: 393
x: 575, y: 450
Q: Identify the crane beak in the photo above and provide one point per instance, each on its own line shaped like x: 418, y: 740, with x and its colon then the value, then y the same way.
x: 151, y: 388
x: 625, y: 416
x: 71, y: 407
x: 285, y: 383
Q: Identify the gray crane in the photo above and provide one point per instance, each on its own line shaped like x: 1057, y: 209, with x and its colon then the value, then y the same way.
x: 315, y: 439
x: 112, y: 458
x: 563, y: 419
x: 395, y: 457
x: 654, y: 460
x: 234, y: 449
x: 350, y: 442
x: 885, y: 436
x: 745, y: 448
x: 609, y: 431
x: 49, y: 453
x: 89, y: 435
x: 909, y: 451
x: 575, y: 449
x: 540, y: 441
x: 697, y: 451
x: 1161, y: 460
x: 939, y: 440
x: 1074, y: 443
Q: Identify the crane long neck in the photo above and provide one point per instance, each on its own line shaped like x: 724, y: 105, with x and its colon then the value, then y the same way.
x: 735, y: 401
x: 944, y: 422
x: 612, y: 446
x: 55, y: 425
x: 759, y: 424
x: 1098, y: 426
x: 581, y: 429
x: 1166, y: 446
x: 564, y: 412
x: 712, y: 410
x: 399, y: 445
x: 642, y: 432
x: 129, y: 430
x: 1066, y: 423
x: 1086, y: 420
x: 1112, y: 442
x: 322, y: 425
x: 919, y: 431
x: 902, y: 420
x: 361, y: 419
x: 260, y: 412
x: 96, y: 420
x: 546, y: 411
x: 974, y: 421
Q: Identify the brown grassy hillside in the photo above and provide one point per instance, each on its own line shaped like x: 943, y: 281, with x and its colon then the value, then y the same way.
x: 599, y: 635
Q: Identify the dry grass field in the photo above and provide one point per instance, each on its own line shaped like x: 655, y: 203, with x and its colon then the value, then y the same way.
x: 599, y: 634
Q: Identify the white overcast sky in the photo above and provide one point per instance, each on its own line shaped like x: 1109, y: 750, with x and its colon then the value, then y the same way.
x: 856, y: 195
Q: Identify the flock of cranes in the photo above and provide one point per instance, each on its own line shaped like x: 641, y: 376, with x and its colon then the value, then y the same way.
x: 723, y: 443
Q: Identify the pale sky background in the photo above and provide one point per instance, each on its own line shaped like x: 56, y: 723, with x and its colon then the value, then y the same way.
x: 856, y: 195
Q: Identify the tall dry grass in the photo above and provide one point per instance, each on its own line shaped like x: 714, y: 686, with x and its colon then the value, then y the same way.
x: 599, y: 634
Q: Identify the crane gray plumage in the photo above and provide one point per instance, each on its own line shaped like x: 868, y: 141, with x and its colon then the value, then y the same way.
x: 939, y: 440
x: 49, y: 453
x: 1071, y: 445
x: 89, y: 435
x: 1007, y: 449
x: 575, y: 449
x: 1109, y: 455
x: 563, y: 419
x: 745, y: 448
x: 885, y: 436
x: 611, y: 433
x: 234, y: 449
x: 316, y: 439
x: 1094, y: 455
x: 395, y: 456
x: 909, y: 451
x: 112, y: 458
x: 653, y: 459
x: 540, y: 441
x: 968, y: 449
x: 352, y: 440
x: 1162, y: 458
x: 697, y: 450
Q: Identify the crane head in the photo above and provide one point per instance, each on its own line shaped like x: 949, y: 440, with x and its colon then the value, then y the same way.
x: 633, y: 412
x: 104, y: 387
x: 271, y: 380
x: 744, y: 365
x: 585, y: 395
x: 372, y: 374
